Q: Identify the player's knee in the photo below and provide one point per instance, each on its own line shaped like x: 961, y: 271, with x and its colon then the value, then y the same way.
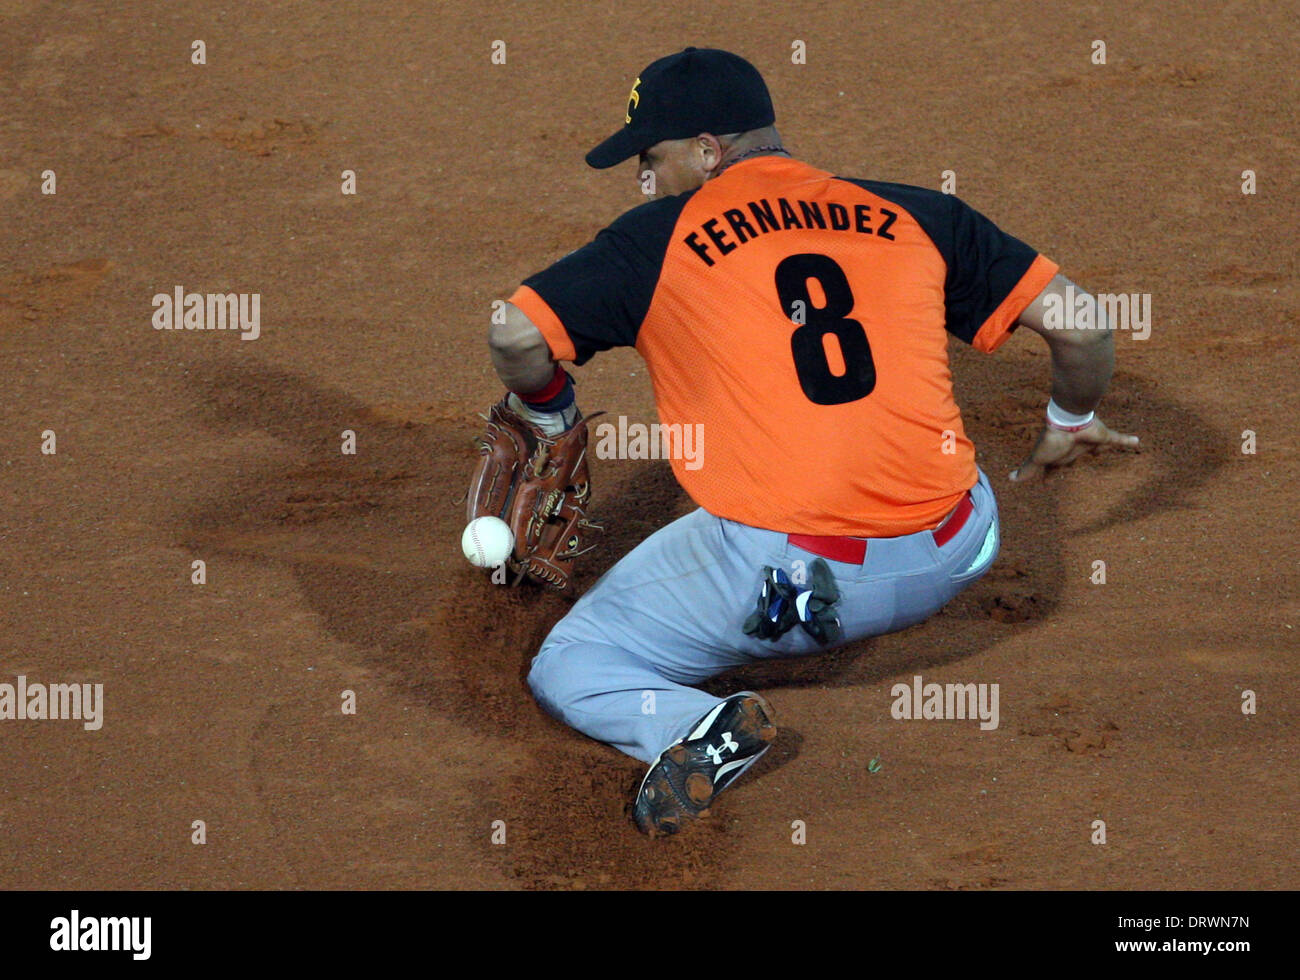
x: 546, y: 678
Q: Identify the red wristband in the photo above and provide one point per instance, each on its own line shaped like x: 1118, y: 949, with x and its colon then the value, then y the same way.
x: 553, y: 388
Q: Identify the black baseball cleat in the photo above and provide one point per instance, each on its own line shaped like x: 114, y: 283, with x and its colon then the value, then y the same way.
x: 683, y: 782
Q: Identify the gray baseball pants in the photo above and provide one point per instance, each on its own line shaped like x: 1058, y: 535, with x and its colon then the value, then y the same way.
x: 619, y: 667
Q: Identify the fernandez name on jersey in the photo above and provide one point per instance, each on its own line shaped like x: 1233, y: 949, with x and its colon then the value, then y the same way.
x: 836, y: 218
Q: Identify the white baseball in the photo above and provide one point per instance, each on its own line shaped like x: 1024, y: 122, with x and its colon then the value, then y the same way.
x: 487, y: 542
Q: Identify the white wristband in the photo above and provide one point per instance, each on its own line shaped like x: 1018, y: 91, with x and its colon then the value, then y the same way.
x: 1059, y: 418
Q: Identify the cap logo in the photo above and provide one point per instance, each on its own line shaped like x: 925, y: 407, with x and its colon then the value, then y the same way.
x: 633, y: 100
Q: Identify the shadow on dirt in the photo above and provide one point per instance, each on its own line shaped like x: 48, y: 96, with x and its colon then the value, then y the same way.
x: 359, y: 532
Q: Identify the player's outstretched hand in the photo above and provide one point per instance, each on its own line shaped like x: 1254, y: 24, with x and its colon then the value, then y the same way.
x: 1056, y: 448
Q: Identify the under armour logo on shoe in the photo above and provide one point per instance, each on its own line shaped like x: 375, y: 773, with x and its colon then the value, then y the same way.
x: 728, y: 745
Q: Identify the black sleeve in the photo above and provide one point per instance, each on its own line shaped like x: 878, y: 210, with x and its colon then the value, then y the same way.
x: 984, y: 263
x: 985, y: 266
x: 602, y: 292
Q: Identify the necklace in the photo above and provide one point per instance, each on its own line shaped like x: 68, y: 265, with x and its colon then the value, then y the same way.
x: 754, y: 151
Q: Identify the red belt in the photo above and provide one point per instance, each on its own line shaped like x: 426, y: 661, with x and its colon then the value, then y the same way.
x: 854, y: 550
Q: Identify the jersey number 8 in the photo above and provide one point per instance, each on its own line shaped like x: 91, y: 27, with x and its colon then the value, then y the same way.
x: 807, y: 343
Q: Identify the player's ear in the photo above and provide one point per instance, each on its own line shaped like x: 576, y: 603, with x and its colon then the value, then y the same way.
x: 709, y: 150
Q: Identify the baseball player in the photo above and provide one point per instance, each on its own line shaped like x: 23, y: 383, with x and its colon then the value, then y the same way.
x: 800, y: 320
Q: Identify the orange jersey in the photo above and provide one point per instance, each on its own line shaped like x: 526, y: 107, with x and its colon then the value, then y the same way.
x: 798, y: 323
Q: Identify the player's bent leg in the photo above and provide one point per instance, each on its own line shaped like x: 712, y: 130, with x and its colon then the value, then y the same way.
x: 619, y: 666
x: 612, y: 695
x: 683, y: 779
x: 671, y: 614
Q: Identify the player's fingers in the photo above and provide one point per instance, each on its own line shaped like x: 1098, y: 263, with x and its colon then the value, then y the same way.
x: 1101, y: 434
x: 1048, y: 455
x: 1045, y: 453
x: 1025, y: 472
x: 1031, y: 469
x: 1121, y: 439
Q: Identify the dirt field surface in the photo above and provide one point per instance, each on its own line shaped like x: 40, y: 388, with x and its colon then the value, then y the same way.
x: 327, y: 572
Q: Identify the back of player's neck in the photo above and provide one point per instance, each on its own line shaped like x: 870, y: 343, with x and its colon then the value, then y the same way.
x: 762, y: 150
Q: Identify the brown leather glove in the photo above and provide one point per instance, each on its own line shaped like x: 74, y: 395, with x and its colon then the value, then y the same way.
x: 539, y: 485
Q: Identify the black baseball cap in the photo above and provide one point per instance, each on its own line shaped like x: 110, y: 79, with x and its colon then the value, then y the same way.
x: 699, y: 90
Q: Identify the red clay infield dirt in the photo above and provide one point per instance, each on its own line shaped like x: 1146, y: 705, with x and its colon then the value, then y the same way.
x: 327, y: 572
